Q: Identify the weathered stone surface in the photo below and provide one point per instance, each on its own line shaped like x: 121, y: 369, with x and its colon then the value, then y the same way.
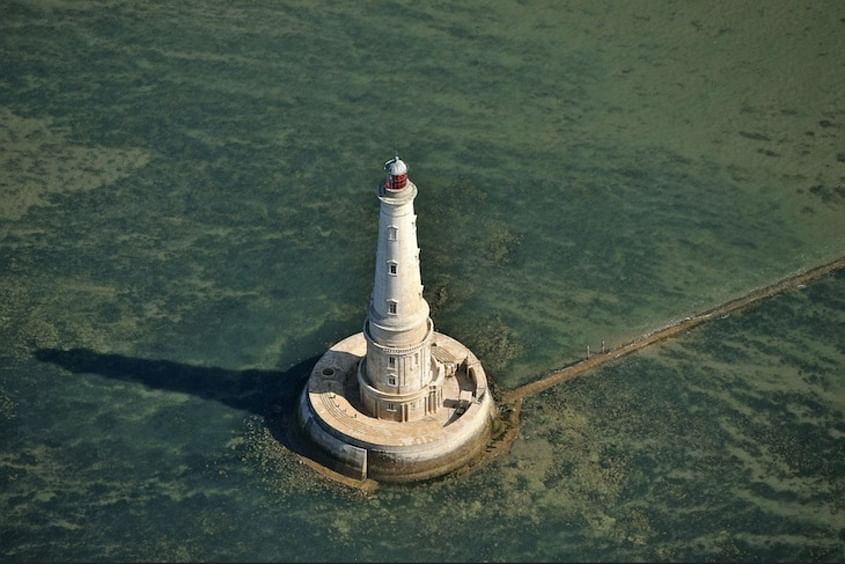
x: 398, y: 401
x: 396, y: 451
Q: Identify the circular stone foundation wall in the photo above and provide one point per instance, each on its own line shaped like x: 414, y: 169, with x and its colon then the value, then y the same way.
x: 360, y: 446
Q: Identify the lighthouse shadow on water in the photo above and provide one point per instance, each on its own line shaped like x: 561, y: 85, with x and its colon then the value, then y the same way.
x: 270, y: 394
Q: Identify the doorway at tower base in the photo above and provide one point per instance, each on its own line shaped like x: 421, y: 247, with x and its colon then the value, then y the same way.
x: 360, y: 446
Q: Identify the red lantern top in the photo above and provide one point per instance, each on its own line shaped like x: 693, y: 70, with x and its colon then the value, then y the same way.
x: 397, y: 174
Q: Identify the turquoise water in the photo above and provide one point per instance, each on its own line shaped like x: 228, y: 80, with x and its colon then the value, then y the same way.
x: 187, y: 218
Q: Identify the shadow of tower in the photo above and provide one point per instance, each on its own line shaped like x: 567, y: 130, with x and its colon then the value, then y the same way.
x: 270, y: 394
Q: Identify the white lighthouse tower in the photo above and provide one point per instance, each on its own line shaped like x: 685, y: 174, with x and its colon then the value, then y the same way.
x: 398, y: 379
x: 398, y: 401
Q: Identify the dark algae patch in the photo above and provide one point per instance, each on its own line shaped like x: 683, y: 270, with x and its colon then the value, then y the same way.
x: 187, y: 218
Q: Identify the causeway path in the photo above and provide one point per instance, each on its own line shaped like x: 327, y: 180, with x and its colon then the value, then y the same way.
x: 676, y: 328
x: 510, y: 401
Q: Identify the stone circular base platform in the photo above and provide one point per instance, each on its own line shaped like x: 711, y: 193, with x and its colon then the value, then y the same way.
x: 365, y: 447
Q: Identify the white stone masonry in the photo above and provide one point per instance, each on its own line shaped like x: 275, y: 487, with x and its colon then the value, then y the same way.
x: 399, y: 379
x: 397, y: 402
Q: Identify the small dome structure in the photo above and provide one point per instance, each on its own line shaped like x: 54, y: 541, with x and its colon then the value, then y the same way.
x: 397, y: 174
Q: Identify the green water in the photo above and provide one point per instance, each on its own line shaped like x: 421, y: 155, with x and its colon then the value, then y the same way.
x: 187, y: 218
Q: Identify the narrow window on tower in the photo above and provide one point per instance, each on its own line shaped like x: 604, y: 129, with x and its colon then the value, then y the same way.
x: 392, y: 233
x: 391, y: 407
x: 391, y: 268
x: 391, y: 307
x: 391, y: 380
x: 391, y: 362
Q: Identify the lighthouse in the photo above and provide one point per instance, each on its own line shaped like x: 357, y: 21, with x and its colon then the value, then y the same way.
x: 398, y: 401
x: 397, y: 379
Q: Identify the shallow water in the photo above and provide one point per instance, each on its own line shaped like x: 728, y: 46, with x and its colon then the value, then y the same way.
x: 187, y: 204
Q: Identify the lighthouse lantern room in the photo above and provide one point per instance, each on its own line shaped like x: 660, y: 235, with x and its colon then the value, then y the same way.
x: 397, y: 174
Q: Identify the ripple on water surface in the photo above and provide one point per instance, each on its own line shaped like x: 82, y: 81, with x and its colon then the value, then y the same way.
x: 187, y: 216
